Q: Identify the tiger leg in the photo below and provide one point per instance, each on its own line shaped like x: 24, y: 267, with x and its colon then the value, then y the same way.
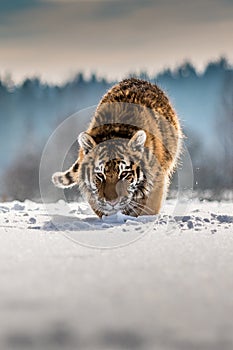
x: 156, y: 197
x: 67, y: 178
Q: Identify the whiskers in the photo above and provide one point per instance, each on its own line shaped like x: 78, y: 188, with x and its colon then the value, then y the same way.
x: 128, y: 207
x: 138, y: 207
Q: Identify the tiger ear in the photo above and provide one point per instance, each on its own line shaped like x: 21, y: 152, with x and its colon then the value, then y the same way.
x: 86, y: 142
x: 138, y: 140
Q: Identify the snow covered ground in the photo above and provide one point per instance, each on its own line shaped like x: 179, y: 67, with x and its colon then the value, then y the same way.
x: 73, y: 281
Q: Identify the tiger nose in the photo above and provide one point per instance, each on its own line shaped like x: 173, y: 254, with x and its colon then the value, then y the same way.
x: 110, y: 192
x: 113, y: 202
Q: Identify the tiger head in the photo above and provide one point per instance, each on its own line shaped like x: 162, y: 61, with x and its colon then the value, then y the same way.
x: 112, y: 174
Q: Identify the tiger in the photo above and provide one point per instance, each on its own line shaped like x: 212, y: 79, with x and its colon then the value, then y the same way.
x: 128, y: 153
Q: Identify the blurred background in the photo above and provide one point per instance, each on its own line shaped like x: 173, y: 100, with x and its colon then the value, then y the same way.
x: 60, y: 56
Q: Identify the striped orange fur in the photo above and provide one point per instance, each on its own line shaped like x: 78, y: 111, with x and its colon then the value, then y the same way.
x: 128, y: 152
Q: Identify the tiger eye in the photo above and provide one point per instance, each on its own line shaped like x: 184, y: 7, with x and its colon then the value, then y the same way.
x: 125, y: 175
x: 100, y: 176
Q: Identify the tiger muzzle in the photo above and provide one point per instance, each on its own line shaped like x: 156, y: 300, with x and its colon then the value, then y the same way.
x: 115, y: 191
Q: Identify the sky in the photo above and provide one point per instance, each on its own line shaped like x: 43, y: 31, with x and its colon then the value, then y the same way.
x: 55, y: 39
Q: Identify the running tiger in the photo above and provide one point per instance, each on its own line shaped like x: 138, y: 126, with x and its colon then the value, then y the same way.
x: 128, y: 153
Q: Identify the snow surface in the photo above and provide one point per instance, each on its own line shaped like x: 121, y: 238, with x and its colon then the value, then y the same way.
x: 74, y: 281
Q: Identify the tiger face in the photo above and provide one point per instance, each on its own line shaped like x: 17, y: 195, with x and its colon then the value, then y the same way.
x: 112, y: 175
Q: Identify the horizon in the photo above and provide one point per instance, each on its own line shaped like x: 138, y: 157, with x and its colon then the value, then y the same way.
x: 8, y: 78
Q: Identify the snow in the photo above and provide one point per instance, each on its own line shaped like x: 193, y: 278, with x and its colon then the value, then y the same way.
x: 69, y: 280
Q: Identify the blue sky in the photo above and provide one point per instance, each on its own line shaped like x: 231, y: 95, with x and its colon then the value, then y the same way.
x: 56, y: 38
